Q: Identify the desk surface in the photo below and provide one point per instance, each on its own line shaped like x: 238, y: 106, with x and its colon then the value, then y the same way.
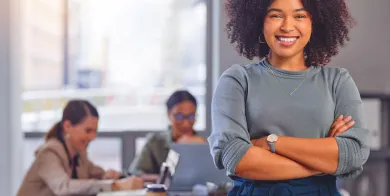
x: 141, y: 192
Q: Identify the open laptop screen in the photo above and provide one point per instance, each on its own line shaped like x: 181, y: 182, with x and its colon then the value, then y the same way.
x: 188, y: 165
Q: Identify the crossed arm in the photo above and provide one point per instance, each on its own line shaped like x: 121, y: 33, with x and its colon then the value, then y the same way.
x: 295, y: 158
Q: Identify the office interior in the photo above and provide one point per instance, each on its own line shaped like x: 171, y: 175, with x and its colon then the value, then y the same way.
x: 127, y: 56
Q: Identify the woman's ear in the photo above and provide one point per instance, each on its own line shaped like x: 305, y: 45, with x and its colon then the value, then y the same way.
x: 170, y: 116
x: 66, y: 125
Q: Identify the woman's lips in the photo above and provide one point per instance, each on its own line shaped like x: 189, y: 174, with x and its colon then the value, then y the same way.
x: 287, y: 40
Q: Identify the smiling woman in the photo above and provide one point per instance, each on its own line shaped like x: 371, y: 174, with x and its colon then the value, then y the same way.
x: 323, y: 25
x: 288, y: 125
x: 62, y: 166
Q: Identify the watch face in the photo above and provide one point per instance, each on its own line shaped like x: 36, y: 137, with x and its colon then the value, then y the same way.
x: 272, y: 138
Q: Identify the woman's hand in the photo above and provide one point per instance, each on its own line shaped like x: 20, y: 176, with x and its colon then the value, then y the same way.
x: 261, y: 143
x: 130, y: 183
x: 188, y: 139
x: 340, y: 125
x: 150, y: 177
x: 111, y: 174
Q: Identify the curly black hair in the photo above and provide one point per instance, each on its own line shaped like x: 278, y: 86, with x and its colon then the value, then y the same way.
x: 331, y: 24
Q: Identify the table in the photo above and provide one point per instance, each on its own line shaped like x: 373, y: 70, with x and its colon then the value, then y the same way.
x: 141, y: 192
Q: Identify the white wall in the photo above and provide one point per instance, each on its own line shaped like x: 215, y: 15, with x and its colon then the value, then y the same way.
x: 11, y: 153
x: 367, y: 56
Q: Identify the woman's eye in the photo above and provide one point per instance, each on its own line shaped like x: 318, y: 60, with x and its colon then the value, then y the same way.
x: 89, y: 130
x: 275, y: 16
x: 300, y: 16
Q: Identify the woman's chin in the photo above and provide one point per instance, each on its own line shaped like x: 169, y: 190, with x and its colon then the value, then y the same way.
x: 284, y: 53
x: 83, y: 149
x: 187, y: 132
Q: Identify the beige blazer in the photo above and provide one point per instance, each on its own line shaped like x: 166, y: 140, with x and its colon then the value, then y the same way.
x: 50, y: 174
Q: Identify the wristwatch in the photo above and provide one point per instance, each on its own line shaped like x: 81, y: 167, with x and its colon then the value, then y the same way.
x: 271, y: 139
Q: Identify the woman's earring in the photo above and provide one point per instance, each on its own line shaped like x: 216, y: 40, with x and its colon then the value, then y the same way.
x: 261, y: 42
x: 66, y: 136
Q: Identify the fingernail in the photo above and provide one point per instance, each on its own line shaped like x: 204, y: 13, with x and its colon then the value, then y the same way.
x: 349, y: 117
x: 341, y: 116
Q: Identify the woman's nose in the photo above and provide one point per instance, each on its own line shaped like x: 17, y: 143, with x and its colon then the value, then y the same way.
x: 287, y: 25
x: 186, y: 123
x: 92, y: 136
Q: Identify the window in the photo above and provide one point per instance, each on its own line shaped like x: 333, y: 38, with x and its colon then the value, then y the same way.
x: 106, y: 153
x: 125, y: 56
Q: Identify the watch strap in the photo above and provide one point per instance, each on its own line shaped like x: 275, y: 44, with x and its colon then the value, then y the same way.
x: 272, y: 147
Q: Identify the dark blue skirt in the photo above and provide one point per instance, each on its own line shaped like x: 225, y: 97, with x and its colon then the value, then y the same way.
x: 310, y: 186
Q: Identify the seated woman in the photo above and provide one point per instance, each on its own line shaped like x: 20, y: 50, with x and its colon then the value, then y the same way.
x: 62, y: 167
x: 181, y: 106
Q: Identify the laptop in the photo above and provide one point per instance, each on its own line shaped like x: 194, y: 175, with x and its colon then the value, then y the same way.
x: 191, y: 164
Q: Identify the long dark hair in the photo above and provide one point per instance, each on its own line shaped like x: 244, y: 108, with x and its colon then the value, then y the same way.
x: 75, y: 111
x: 178, y: 97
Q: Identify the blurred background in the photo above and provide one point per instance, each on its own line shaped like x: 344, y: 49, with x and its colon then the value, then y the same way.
x: 127, y: 56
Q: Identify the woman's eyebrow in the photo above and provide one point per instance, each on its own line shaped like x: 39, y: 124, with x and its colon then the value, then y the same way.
x: 279, y: 10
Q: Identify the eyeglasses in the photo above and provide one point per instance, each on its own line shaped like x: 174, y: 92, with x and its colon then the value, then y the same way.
x: 181, y: 117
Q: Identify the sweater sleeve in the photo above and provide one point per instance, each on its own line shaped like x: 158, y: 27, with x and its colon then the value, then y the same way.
x: 353, y: 144
x: 145, y: 162
x: 95, y: 172
x: 229, y: 139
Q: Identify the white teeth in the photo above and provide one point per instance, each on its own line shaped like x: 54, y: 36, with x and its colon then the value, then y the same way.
x: 284, y: 39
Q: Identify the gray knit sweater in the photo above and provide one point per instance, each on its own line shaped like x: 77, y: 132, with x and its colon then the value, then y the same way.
x: 250, y: 103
